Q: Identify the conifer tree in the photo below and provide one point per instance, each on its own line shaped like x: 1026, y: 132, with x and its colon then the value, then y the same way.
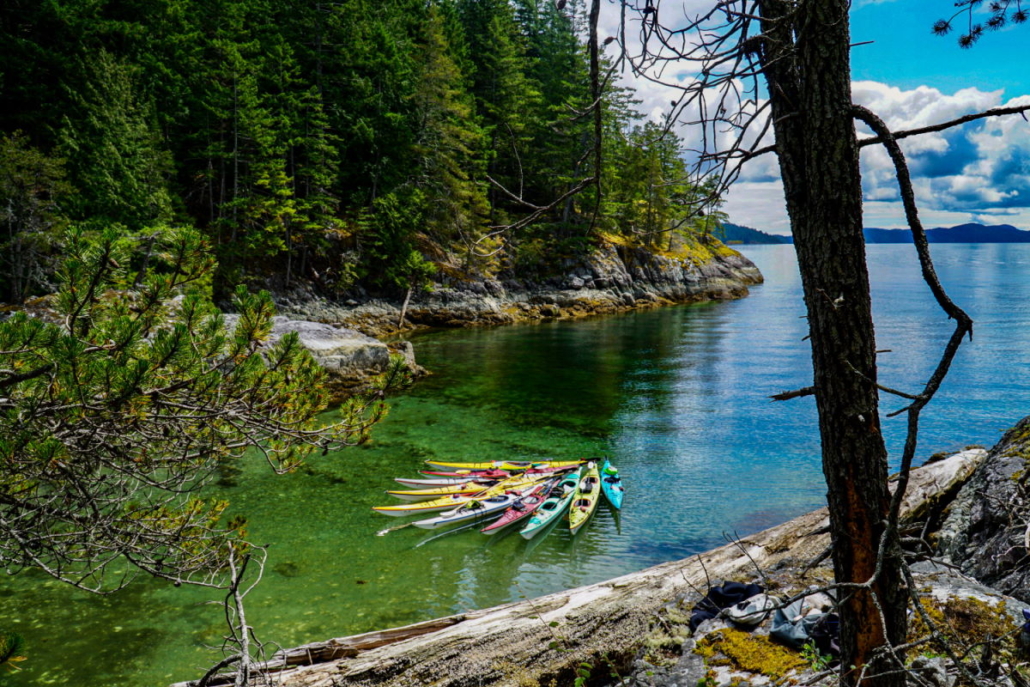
x: 115, y: 156
x: 449, y: 147
x: 119, y: 410
x: 32, y: 189
x: 507, y: 100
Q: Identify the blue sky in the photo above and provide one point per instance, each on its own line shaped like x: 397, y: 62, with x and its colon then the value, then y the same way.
x: 906, y: 54
x: 910, y: 77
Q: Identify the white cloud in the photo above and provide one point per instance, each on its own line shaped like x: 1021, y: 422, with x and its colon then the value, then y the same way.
x: 759, y: 205
x: 977, y: 172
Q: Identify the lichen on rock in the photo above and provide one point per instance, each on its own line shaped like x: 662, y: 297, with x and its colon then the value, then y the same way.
x: 987, y: 527
x: 749, y: 652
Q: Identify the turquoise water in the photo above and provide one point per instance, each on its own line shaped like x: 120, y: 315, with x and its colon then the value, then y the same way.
x: 678, y: 397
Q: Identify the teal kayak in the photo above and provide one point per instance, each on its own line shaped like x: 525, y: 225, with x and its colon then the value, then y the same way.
x: 552, y: 508
x: 611, y: 484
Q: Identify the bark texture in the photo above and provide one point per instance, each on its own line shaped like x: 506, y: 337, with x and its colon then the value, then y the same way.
x: 806, y: 61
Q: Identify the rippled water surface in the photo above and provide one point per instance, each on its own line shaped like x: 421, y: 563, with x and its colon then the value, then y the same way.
x: 678, y: 397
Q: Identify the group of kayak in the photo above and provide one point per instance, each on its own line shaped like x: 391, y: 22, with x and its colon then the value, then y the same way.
x: 533, y: 495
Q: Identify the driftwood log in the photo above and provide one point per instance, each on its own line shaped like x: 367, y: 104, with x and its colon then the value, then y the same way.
x: 541, y: 641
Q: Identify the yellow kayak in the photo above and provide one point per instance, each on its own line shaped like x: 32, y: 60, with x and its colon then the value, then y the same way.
x: 455, y: 500
x: 585, y: 498
x: 471, y: 487
x: 510, y: 465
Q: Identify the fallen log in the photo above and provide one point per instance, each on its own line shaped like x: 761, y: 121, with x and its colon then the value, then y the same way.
x: 541, y: 641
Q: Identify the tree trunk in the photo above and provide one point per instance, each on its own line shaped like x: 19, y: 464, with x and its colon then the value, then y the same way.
x: 807, y: 66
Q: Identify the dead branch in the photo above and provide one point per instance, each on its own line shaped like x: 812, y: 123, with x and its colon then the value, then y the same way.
x: 797, y: 393
x: 963, y: 323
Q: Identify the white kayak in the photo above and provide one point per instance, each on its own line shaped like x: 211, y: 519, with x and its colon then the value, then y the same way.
x: 476, y: 509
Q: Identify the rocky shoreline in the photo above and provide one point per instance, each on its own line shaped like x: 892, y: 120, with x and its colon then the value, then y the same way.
x: 344, y: 335
x: 613, y: 279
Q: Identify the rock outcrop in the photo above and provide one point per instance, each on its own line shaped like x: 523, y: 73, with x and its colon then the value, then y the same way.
x: 720, y: 654
x: 612, y: 279
x: 987, y: 531
x: 351, y: 358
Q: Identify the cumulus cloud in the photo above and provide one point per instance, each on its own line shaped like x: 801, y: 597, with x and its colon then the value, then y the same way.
x: 759, y: 205
x: 664, y: 92
x: 977, y: 172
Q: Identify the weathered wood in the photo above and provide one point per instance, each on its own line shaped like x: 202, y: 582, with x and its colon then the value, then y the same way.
x: 516, y: 644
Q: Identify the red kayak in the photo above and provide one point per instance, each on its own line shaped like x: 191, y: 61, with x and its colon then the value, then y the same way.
x: 522, y: 508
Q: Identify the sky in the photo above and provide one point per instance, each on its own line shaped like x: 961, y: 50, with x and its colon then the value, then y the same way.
x: 979, y: 172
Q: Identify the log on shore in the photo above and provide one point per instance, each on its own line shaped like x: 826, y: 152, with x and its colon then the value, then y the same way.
x: 541, y: 641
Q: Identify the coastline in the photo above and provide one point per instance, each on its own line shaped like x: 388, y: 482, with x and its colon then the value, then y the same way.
x: 614, y: 279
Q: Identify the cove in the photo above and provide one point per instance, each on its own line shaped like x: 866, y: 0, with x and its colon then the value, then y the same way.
x: 678, y: 397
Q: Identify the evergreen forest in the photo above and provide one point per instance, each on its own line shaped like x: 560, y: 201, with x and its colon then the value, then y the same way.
x: 351, y: 144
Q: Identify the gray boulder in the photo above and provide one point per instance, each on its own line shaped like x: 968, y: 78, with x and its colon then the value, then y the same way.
x: 343, y: 352
x: 988, y: 526
x: 349, y: 356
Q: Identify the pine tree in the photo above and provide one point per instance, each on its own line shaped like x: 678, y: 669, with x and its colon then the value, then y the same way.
x: 507, y: 100
x: 115, y: 416
x: 32, y: 189
x: 449, y: 147
x: 115, y: 154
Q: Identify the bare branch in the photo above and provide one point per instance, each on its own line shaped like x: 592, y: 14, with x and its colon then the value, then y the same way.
x: 797, y: 393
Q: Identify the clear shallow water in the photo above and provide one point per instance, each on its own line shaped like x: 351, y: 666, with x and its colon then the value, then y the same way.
x: 678, y: 397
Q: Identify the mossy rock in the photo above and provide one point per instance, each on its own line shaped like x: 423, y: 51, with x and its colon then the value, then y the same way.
x: 749, y: 653
x: 964, y: 619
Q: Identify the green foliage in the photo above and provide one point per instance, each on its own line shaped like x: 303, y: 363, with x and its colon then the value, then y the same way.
x: 115, y: 155
x: 11, y: 647
x: 125, y: 400
x: 32, y: 187
x: 390, y: 228
x: 449, y: 144
x: 582, y: 674
x: 817, y: 662
x: 276, y: 128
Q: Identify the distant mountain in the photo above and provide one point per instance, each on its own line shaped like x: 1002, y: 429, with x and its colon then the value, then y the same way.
x: 734, y: 233
x: 963, y: 233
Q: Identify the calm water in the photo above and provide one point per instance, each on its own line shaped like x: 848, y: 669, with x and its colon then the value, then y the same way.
x: 677, y: 397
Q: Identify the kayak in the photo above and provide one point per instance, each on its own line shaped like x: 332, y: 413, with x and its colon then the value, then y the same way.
x: 522, y: 508
x: 553, y: 507
x: 475, y: 509
x: 585, y: 498
x: 461, y: 475
x: 449, y: 502
x: 438, y: 481
x: 509, y: 465
x: 611, y: 484
x: 466, y: 488
x: 449, y: 478
x: 469, y: 474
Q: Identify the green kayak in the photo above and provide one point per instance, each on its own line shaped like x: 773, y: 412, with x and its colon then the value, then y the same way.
x: 552, y: 509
